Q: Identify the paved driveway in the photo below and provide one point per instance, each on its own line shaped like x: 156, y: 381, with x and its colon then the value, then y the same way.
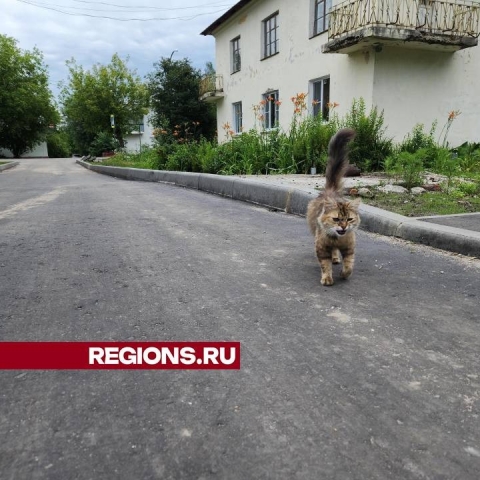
x: 373, y: 378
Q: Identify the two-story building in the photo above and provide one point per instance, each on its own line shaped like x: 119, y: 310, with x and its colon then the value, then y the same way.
x: 417, y: 60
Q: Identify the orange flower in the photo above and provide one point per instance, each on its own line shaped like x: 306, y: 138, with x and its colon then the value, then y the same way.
x: 332, y: 104
x: 278, y: 102
x: 453, y: 114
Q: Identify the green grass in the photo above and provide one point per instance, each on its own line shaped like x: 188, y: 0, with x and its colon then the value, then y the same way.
x: 128, y: 161
x: 430, y: 203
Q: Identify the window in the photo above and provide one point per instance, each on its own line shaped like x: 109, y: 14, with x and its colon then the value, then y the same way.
x: 271, y: 105
x: 137, y: 126
x: 321, y: 97
x: 236, y: 58
x: 270, y: 36
x: 237, y: 117
x: 321, y: 16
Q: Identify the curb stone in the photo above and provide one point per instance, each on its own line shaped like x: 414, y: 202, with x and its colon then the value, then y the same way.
x: 295, y: 201
x: 8, y: 165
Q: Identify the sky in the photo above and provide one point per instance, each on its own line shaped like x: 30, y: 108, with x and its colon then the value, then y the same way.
x: 91, y: 32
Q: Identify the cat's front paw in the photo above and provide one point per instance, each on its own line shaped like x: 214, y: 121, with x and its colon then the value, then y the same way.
x: 326, y: 280
x: 346, y: 272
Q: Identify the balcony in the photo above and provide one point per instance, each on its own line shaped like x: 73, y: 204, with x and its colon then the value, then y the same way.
x: 421, y: 24
x: 211, y: 88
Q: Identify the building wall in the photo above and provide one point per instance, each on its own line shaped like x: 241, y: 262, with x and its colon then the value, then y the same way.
x: 415, y: 86
x: 137, y: 140
x: 40, y: 151
x: 411, y: 86
x: 300, y: 61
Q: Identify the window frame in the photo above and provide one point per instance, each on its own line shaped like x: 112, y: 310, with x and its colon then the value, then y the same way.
x: 271, y: 109
x: 270, y: 46
x: 320, y: 22
x: 237, y: 117
x: 235, y: 52
x: 322, y: 107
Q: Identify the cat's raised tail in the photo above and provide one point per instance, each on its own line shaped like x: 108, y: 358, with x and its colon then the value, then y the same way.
x: 337, y: 160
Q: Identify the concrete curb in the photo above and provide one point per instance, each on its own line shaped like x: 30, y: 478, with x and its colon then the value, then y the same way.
x: 295, y: 202
x: 8, y: 165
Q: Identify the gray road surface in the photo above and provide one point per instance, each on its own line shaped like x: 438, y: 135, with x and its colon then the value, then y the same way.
x: 373, y: 378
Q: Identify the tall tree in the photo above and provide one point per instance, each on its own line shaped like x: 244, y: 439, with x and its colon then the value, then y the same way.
x: 89, y: 98
x: 27, y: 107
x: 174, y: 88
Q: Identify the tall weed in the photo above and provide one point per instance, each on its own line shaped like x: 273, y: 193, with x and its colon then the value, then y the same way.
x: 371, y: 146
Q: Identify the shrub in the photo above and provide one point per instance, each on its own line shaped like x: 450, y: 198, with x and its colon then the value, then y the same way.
x: 418, y: 139
x: 469, y: 157
x: 447, y: 163
x: 468, y: 188
x: 57, y: 145
x: 408, y: 166
x: 370, y: 147
x: 310, y: 145
x: 104, y: 142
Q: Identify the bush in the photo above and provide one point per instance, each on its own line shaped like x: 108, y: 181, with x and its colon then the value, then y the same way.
x: 469, y: 188
x: 418, y: 139
x: 304, y: 146
x: 183, y: 158
x: 310, y: 144
x: 371, y: 147
x: 469, y: 157
x: 57, y: 145
x: 208, y: 157
x: 408, y: 166
x: 104, y: 142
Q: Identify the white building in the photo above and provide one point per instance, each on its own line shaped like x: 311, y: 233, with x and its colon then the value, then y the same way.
x: 140, y: 136
x: 417, y: 60
x: 39, y: 151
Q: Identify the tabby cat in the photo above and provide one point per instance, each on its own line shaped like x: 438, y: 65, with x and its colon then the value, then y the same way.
x: 332, y: 218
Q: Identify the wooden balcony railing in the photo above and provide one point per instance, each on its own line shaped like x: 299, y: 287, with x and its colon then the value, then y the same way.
x: 453, y: 18
x: 211, y: 86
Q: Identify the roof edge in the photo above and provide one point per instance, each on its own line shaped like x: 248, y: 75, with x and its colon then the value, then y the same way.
x: 226, y: 16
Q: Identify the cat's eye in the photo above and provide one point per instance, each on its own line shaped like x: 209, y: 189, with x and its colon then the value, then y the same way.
x: 335, y: 219
x: 350, y: 219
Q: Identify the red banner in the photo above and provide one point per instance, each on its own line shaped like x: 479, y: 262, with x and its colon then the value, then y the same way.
x: 119, y: 355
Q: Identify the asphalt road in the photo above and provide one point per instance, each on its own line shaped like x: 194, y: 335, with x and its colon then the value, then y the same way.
x: 376, y: 377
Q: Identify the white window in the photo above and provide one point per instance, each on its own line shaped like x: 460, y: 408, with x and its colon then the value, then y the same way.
x: 320, y: 16
x: 237, y: 117
x: 270, y: 36
x: 271, y: 106
x: 320, y: 94
x: 236, y: 58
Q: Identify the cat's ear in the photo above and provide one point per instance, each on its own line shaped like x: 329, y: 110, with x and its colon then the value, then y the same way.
x: 354, y: 204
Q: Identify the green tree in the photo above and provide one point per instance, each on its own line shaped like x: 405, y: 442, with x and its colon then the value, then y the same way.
x: 90, y: 97
x: 174, y: 88
x: 27, y: 107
